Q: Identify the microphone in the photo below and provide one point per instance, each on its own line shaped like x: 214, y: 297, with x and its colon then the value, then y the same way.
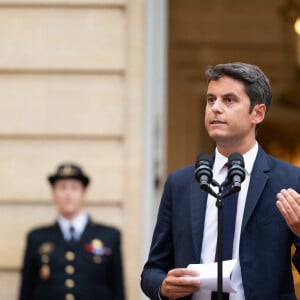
x: 236, y: 171
x: 203, y: 171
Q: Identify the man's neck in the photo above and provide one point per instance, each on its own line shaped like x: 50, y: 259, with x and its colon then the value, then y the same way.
x: 71, y: 217
x: 228, y: 148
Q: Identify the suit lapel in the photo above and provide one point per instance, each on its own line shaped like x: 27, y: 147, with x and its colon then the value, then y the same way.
x: 257, y: 183
x: 198, y: 202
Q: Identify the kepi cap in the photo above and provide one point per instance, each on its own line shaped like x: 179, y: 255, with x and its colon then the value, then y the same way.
x: 69, y: 171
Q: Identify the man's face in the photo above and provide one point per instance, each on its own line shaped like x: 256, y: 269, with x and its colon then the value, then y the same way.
x: 68, y: 195
x: 228, y: 119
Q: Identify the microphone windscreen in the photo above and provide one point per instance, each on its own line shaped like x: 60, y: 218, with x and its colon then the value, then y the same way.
x: 236, y: 158
x: 203, y: 168
x: 236, y: 171
x: 203, y: 158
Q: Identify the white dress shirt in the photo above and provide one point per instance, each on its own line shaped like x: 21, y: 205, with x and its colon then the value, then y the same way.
x: 210, y: 226
x: 78, y: 223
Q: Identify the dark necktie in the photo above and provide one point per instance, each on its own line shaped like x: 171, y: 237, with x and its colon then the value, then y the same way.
x: 229, y: 217
x: 72, y: 234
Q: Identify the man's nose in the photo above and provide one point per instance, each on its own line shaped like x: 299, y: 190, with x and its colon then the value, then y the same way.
x: 217, y: 105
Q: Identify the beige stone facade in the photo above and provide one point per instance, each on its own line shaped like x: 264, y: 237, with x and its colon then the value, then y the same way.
x: 71, y: 86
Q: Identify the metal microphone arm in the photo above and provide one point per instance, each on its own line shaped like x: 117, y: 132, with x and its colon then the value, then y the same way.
x: 207, y: 188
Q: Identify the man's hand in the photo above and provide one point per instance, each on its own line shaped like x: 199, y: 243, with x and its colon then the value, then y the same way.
x: 175, y: 286
x: 289, y: 206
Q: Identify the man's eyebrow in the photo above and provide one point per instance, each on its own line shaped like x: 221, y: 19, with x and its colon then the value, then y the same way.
x: 230, y: 94
x: 210, y: 94
x: 225, y: 95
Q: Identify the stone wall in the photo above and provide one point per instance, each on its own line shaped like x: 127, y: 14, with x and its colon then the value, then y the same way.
x: 71, y: 86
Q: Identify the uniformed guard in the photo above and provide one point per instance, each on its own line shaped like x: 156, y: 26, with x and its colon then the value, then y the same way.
x: 75, y: 258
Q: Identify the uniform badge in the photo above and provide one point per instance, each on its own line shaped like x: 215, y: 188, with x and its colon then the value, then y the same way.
x: 97, y: 248
x: 46, y: 248
x: 45, y: 272
x: 97, y: 243
x: 97, y: 259
x: 66, y: 171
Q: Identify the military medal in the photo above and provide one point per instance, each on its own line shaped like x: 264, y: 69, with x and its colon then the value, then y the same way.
x: 97, y: 259
x: 97, y: 248
x: 96, y: 243
x: 45, y: 259
x: 45, y: 272
x: 46, y: 248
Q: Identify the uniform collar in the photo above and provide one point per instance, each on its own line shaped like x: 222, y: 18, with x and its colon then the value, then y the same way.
x: 78, y: 223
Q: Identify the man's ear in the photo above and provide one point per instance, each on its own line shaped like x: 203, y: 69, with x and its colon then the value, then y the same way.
x: 258, y: 113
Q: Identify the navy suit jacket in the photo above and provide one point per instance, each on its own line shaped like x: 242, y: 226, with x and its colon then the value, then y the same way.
x: 265, y: 242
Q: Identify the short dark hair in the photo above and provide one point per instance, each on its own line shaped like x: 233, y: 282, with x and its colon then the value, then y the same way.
x: 256, y: 83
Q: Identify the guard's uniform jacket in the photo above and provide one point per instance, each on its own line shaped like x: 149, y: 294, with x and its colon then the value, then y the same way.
x: 88, y: 269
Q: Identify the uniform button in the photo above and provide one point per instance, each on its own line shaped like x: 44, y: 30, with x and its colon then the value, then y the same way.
x: 70, y: 297
x: 70, y: 255
x: 70, y: 270
x: 70, y: 283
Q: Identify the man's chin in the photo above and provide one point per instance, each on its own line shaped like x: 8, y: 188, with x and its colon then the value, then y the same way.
x: 69, y: 214
x: 219, y: 138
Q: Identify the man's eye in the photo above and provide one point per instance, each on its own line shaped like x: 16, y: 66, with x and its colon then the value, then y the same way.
x: 229, y: 99
x: 210, y: 100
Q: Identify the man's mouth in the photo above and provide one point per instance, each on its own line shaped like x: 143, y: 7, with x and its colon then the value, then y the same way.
x: 215, y: 122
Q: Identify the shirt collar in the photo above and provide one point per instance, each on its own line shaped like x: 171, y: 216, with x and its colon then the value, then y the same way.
x: 220, y: 161
x: 249, y: 159
x: 78, y: 223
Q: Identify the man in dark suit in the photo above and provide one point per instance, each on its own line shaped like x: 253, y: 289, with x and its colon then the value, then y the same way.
x: 238, y: 98
x: 75, y: 258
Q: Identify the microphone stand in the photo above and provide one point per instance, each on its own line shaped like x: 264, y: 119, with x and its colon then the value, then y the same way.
x: 219, y: 205
x: 220, y: 196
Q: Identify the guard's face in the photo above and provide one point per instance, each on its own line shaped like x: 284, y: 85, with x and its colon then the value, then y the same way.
x: 68, y: 195
x: 228, y: 119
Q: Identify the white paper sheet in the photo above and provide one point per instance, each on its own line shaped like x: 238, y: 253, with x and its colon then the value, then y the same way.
x: 209, y: 276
